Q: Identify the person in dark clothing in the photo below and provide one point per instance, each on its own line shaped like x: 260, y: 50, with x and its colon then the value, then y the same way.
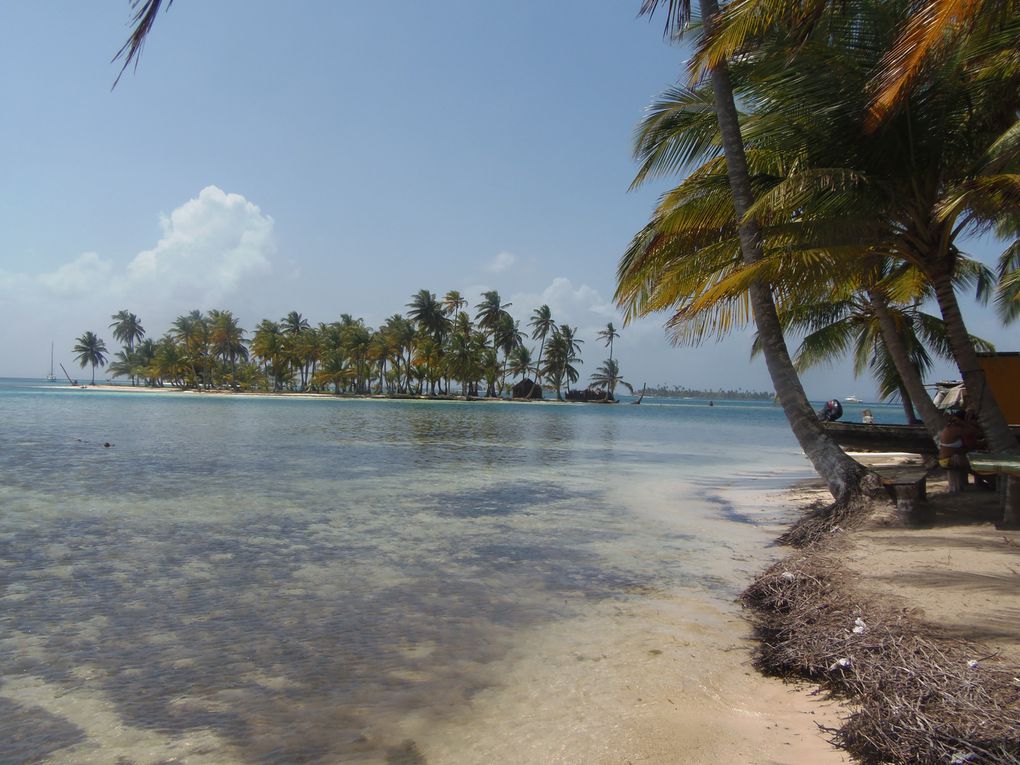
x: 831, y: 412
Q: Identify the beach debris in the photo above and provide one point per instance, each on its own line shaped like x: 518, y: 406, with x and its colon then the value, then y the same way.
x: 916, y: 700
x: 972, y: 663
x: 859, y: 626
x: 962, y: 758
x: 788, y: 576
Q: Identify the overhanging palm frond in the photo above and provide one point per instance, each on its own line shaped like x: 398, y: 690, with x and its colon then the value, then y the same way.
x: 1007, y: 297
x: 927, y: 29
x: 144, y: 18
x: 742, y: 21
x: 825, y: 345
x: 679, y: 128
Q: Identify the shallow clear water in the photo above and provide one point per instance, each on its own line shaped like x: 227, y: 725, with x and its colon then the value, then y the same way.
x: 284, y: 580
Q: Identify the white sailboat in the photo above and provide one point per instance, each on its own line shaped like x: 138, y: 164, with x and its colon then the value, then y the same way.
x: 51, y: 377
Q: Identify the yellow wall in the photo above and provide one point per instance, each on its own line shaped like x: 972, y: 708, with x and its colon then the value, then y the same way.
x: 1003, y: 374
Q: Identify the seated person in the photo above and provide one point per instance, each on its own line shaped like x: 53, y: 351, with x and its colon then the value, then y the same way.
x: 867, y: 417
x: 957, y: 438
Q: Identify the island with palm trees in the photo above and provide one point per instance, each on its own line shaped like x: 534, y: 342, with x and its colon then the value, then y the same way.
x: 435, y: 349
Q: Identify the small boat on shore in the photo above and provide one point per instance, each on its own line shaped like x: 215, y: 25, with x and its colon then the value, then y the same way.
x: 914, y: 439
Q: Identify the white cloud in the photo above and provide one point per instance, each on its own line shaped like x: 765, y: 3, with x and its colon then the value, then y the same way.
x: 209, y: 245
x: 503, y: 261
x: 581, y: 305
x: 214, y: 251
x: 85, y: 275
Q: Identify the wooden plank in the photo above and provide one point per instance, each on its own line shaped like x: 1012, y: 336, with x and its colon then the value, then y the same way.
x: 987, y: 462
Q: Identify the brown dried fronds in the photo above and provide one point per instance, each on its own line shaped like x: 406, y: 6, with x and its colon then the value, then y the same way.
x: 916, y: 696
x: 823, y: 520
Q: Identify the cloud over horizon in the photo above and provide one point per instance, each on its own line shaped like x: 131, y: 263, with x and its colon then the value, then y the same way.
x: 213, y: 247
x: 209, y: 245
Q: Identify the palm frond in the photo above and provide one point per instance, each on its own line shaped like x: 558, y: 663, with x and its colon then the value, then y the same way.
x: 143, y: 19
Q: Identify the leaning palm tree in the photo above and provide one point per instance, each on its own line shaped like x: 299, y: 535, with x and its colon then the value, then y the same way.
x: 843, y: 475
x: 90, y: 349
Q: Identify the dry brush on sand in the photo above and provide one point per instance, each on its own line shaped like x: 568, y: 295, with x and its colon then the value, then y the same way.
x: 914, y: 696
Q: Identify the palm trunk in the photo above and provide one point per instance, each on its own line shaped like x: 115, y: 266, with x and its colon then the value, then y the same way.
x: 908, y: 406
x: 909, y: 377
x: 538, y: 365
x: 843, y: 475
x: 979, y: 395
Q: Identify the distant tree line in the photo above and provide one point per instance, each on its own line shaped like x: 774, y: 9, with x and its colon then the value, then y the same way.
x: 679, y: 391
x: 435, y: 348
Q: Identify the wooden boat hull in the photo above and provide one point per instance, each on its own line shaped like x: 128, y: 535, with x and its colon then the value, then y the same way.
x: 914, y: 439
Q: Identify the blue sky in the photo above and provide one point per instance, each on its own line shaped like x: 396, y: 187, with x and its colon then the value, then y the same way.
x: 334, y: 157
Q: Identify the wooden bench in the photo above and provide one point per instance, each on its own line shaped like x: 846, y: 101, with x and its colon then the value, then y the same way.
x: 908, y: 490
x: 1007, y: 466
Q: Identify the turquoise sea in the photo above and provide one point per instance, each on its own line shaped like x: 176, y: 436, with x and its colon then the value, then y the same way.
x: 283, y: 580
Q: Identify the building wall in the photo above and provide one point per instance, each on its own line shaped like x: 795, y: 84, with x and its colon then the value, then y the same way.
x: 1002, y: 371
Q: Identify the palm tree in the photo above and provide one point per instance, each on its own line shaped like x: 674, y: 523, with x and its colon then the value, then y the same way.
x: 127, y: 328
x: 122, y: 365
x: 843, y: 475
x: 428, y: 314
x: 453, y: 302
x: 294, y: 323
x: 564, y: 351
x: 520, y: 361
x: 90, y: 349
x: 269, y: 346
x: 227, y: 338
x: 541, y: 324
x: 490, y: 313
x: 507, y: 337
x: 607, y: 376
x: 938, y: 168
x: 609, y: 334
x: 192, y: 332
x: 859, y: 323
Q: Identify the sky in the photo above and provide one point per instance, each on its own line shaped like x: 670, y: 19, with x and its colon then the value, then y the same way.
x: 337, y: 157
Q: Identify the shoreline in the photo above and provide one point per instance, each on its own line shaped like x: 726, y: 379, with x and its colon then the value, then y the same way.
x: 310, y: 395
